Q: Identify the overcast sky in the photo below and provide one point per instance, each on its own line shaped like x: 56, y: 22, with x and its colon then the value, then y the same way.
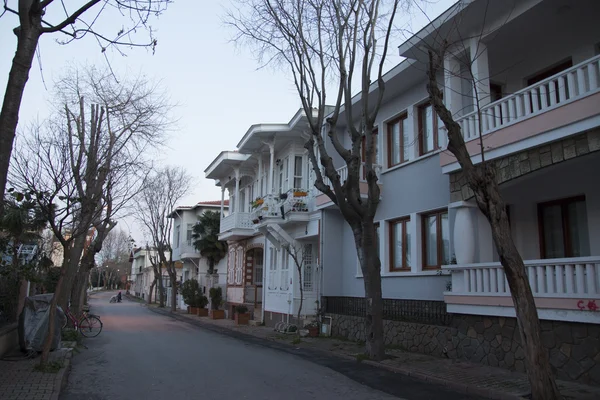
x: 218, y: 88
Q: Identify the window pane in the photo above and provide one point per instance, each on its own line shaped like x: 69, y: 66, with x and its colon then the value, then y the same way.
x: 553, y: 231
x: 578, y: 229
x: 298, y: 166
x: 395, y: 144
x: 445, y: 239
x: 398, y: 244
x: 408, y: 261
x: 427, y: 128
x: 431, y: 240
x: 405, y: 144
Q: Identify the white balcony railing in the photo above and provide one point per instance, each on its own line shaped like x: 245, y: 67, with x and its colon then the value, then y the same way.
x: 236, y: 220
x: 343, y: 171
x: 574, y: 83
x: 560, y: 277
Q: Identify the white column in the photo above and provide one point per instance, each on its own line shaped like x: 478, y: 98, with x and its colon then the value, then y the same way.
x: 464, y: 233
x: 222, y: 199
x: 452, y: 85
x: 237, y: 190
x: 271, y: 166
x: 259, y: 189
x: 481, y: 71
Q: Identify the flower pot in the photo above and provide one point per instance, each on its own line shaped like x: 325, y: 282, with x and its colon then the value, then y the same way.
x: 255, y: 221
x: 202, y: 312
x: 217, y: 314
x: 242, y: 319
x: 193, y: 310
x: 313, y: 331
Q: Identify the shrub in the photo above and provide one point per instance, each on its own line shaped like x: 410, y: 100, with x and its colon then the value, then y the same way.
x: 241, y: 309
x: 216, y: 297
x: 192, y: 294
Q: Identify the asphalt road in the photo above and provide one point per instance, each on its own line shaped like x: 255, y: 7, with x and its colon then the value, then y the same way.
x: 143, y: 355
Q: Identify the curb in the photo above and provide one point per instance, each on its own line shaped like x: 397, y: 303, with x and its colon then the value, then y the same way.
x: 62, y: 377
x: 458, y: 387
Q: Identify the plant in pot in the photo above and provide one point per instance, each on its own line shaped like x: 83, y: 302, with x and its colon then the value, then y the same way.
x: 202, y: 301
x: 190, y: 290
x: 242, y: 316
x: 216, y: 298
x: 313, y: 328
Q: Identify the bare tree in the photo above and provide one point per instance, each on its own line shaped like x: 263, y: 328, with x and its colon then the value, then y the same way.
x: 299, y: 255
x: 481, y: 179
x: 84, y: 167
x: 36, y: 17
x: 161, y: 193
x: 342, y: 44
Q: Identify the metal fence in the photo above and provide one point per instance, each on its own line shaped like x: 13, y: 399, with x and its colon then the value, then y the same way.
x: 421, y: 311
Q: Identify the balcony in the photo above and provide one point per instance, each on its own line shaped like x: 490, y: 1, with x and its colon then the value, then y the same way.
x: 236, y: 226
x: 565, y: 98
x: 294, y: 205
x: 565, y: 289
x: 323, y: 201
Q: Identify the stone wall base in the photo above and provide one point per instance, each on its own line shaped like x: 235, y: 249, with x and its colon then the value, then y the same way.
x: 574, y: 347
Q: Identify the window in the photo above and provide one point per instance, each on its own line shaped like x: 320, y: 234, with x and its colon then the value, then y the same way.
x: 177, y: 236
x: 398, y: 144
x: 563, y: 228
x: 436, y: 243
x: 307, y: 276
x: 429, y: 134
x: 283, y: 175
x: 400, y: 259
x: 285, y: 271
x: 298, y: 172
x: 272, y: 269
x: 554, y: 89
x: 188, y: 234
x: 495, y: 92
x: 258, y: 267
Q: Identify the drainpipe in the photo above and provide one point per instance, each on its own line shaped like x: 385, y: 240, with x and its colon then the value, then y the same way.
x: 264, y: 286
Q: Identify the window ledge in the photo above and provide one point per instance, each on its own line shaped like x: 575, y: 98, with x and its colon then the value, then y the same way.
x: 404, y: 164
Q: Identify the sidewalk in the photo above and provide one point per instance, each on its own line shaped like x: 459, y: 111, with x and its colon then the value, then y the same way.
x: 19, y: 380
x: 460, y: 376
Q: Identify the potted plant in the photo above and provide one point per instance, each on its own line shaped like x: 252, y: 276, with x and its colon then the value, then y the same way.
x: 255, y: 221
x: 241, y: 315
x: 190, y: 290
x: 202, y: 301
x: 216, y: 298
x: 313, y: 328
x: 283, y: 196
x: 300, y: 193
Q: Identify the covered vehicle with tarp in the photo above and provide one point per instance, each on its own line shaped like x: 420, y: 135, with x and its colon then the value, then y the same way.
x: 33, y: 323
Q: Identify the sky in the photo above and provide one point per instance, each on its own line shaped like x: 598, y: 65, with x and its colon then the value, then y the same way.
x: 218, y: 88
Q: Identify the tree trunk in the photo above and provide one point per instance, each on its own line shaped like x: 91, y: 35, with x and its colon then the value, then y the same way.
x: 366, y: 244
x: 52, y: 314
x: 74, y: 257
x: 539, y: 371
x: 161, y: 291
x: 150, y: 292
x: 482, y: 181
x: 27, y: 41
x: 79, y: 289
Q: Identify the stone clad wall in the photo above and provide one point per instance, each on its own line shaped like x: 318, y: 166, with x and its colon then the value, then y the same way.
x: 519, y: 164
x: 495, y: 341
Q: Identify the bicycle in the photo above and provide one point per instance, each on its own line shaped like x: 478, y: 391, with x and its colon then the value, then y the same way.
x: 89, y: 325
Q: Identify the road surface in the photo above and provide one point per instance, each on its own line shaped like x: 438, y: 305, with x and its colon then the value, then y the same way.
x: 144, y: 355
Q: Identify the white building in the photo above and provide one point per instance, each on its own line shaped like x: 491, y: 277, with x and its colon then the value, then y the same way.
x: 271, y: 213
x: 142, y: 273
x: 193, y: 265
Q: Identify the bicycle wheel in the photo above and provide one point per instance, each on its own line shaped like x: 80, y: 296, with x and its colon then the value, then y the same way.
x: 90, y: 326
